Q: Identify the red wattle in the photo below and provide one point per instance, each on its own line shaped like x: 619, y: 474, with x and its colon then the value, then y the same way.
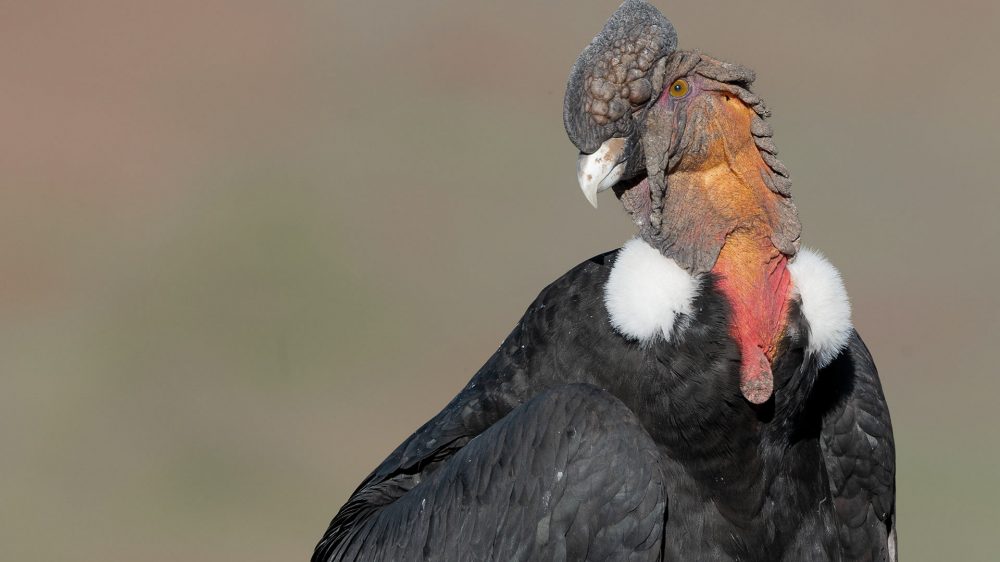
x: 755, y: 280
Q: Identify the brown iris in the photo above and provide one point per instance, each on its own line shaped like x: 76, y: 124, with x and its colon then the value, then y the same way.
x: 679, y: 88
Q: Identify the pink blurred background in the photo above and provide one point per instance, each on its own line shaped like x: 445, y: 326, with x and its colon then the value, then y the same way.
x: 248, y: 247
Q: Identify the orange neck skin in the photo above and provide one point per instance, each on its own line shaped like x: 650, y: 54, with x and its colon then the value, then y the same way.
x: 753, y: 276
x: 721, y: 191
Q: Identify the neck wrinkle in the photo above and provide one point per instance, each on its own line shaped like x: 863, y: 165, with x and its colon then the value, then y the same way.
x: 718, y: 188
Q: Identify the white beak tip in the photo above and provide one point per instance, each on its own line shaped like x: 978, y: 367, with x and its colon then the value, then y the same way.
x: 591, y: 195
x: 601, y: 170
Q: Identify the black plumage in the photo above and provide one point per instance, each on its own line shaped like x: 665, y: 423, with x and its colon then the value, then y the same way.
x: 597, y: 431
x: 574, y: 443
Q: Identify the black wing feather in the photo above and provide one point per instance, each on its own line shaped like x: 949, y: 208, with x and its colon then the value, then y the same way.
x: 521, y: 368
x: 860, y: 455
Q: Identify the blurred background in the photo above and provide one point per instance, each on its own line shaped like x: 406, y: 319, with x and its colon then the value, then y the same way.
x: 247, y: 247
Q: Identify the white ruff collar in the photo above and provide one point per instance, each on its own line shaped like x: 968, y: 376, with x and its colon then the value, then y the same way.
x: 649, y: 296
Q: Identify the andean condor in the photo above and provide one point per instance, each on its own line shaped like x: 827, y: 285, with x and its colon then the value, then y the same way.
x: 698, y: 394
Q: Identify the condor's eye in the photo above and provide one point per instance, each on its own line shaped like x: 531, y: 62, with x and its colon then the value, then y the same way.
x: 679, y: 88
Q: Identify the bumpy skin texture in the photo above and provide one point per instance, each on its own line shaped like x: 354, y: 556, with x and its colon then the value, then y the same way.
x: 619, y: 72
x: 660, y: 456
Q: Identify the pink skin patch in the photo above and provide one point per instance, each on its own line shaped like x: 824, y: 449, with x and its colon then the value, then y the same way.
x: 757, y: 291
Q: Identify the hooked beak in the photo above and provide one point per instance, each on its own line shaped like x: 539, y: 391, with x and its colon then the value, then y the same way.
x: 601, y: 170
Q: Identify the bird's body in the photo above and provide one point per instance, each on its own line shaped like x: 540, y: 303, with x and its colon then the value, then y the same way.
x: 729, y: 482
x: 699, y: 394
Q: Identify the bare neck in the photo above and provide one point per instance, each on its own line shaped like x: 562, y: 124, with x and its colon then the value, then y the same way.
x: 734, y: 219
x: 718, y: 191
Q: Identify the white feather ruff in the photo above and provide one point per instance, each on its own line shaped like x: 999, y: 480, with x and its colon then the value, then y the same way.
x: 646, y: 292
x: 824, y: 304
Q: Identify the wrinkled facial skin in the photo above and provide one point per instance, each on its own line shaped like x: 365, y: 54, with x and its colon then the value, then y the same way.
x: 710, y: 111
x: 710, y: 137
x: 709, y: 166
x: 679, y: 125
x: 694, y: 119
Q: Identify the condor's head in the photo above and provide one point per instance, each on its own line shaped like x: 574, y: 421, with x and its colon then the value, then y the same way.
x: 680, y: 139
